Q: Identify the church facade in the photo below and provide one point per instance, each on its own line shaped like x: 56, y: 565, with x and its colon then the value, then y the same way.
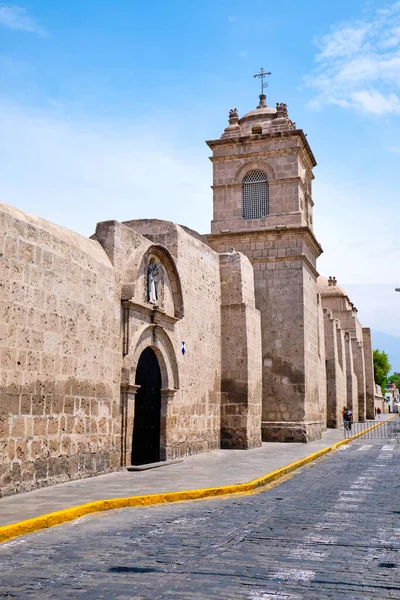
x: 149, y: 341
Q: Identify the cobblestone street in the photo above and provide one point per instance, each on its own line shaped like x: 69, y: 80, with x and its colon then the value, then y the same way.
x: 330, y: 531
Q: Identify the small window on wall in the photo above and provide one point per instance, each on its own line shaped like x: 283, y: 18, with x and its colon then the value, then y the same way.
x: 255, y: 195
x: 256, y: 129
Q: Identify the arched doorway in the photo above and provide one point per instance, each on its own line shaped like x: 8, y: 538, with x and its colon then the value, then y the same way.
x: 147, y: 417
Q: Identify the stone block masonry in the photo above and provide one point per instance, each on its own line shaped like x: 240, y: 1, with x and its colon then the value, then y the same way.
x: 357, y: 350
x: 241, y: 385
x: 149, y: 341
x: 369, y: 374
x: 262, y: 176
x: 58, y: 396
x: 191, y: 403
x: 294, y: 393
x: 336, y: 373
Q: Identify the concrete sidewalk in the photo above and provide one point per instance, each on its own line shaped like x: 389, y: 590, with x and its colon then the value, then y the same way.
x: 218, y: 468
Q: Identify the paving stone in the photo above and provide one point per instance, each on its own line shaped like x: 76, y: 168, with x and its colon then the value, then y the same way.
x: 282, y: 544
x: 220, y: 467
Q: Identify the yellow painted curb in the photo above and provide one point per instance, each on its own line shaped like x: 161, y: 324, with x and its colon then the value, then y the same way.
x: 13, y: 530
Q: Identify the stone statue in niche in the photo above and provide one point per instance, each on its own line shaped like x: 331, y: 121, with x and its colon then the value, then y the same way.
x: 154, y: 276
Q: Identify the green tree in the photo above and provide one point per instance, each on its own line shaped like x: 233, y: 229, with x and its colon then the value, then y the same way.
x: 381, y: 367
x: 395, y: 378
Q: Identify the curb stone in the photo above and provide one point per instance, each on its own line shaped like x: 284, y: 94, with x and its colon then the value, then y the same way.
x: 7, y: 532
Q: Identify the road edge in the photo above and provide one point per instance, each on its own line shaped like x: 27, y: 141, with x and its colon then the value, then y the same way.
x: 8, y: 532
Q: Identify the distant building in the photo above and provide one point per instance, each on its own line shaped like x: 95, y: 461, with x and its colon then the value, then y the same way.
x: 392, y: 395
x: 380, y: 400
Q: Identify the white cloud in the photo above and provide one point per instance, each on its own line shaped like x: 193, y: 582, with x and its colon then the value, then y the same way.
x: 17, y: 18
x: 358, y: 65
x: 78, y: 173
x: 375, y: 103
x: 345, y: 41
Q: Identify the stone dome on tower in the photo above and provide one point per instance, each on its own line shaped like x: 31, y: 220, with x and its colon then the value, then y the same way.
x: 259, y: 117
x: 262, y: 120
x: 329, y: 287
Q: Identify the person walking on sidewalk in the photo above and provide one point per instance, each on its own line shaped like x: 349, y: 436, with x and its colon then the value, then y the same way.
x: 344, y: 410
x: 347, y: 419
x: 378, y: 412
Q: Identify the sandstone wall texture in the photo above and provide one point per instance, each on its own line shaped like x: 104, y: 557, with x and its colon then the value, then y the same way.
x: 193, y: 411
x: 369, y: 373
x: 283, y: 252
x: 75, y: 319
x: 59, y: 385
x: 249, y: 341
x: 298, y: 402
x: 314, y: 351
x: 358, y: 347
x: 359, y: 369
x: 241, y: 384
x: 352, y: 382
x: 288, y: 181
x: 292, y: 410
x: 336, y: 371
x: 322, y: 360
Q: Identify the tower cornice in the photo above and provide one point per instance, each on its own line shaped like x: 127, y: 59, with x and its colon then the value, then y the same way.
x: 299, y: 133
x: 302, y: 231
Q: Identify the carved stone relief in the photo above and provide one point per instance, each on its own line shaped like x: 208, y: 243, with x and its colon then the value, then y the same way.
x: 154, y: 282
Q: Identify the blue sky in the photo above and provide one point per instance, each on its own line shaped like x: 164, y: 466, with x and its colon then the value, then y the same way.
x: 105, y: 106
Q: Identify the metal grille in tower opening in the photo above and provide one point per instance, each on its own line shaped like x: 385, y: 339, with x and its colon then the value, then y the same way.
x: 255, y: 195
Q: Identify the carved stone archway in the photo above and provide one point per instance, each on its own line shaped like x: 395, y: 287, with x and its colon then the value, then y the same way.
x: 155, y: 338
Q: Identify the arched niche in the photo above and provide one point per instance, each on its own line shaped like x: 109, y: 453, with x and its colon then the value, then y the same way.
x: 135, y: 279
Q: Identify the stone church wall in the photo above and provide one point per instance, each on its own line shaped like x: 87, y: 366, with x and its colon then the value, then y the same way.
x: 279, y: 295
x: 335, y: 299
x: 59, y: 331
x: 359, y: 369
x: 358, y: 350
x: 241, y: 385
x: 322, y: 360
x: 193, y: 414
x: 352, y: 383
x: 336, y: 373
x: 315, y: 402
x: 277, y: 260
x: 369, y: 373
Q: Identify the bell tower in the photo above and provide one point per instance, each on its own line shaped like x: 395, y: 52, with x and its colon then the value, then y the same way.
x: 262, y: 174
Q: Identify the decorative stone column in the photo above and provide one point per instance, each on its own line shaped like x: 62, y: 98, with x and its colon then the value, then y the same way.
x: 167, y: 395
x: 128, y: 393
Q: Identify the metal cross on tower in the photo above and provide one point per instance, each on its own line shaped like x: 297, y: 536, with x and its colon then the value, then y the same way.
x: 261, y: 75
